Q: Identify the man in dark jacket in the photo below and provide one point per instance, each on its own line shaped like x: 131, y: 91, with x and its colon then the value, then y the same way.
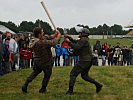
x: 85, y: 61
x: 41, y: 46
x: 1, y: 53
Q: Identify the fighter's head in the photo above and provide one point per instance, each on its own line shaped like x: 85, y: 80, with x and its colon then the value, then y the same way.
x: 38, y: 32
x: 82, y: 31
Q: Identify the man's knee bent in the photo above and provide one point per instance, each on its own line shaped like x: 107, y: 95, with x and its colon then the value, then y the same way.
x: 84, y: 77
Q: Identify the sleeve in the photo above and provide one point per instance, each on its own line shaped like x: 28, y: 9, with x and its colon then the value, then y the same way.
x: 50, y: 42
x: 50, y: 37
x: 71, y: 39
x: 77, y: 45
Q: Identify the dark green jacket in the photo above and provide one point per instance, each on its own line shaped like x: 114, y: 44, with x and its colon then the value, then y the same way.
x: 42, y: 50
x: 84, y: 49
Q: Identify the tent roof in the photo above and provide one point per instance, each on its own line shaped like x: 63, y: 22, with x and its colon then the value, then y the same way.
x: 5, y: 29
x: 130, y: 33
x: 129, y: 26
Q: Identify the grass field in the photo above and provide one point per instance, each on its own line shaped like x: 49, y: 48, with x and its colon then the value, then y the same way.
x: 113, y: 42
x: 117, y: 85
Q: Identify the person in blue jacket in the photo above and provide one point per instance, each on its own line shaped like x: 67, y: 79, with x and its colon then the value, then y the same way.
x: 65, y: 55
x: 58, y: 51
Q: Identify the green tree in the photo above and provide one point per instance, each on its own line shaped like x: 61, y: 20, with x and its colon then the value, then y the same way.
x: 26, y: 26
x: 46, y: 27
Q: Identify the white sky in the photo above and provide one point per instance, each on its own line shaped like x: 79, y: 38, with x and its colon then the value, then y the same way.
x: 69, y: 13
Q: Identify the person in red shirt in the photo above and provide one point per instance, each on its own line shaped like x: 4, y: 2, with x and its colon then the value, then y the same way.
x: 106, y: 48
x: 28, y: 56
x: 23, y: 55
x: 65, y: 45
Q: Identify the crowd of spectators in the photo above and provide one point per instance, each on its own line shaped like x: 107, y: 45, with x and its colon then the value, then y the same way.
x: 15, y: 53
x: 113, y: 55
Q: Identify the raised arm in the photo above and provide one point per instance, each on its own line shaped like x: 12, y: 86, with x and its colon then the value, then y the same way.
x: 53, y: 41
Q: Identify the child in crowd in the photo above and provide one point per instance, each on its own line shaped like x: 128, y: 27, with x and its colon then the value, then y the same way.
x: 95, y: 58
x: 6, y: 55
x: 23, y: 55
x: 28, y: 56
x: 58, y: 50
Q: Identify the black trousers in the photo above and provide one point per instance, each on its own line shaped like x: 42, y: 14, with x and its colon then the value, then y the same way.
x: 37, y: 69
x: 57, y: 61
x: 83, y: 69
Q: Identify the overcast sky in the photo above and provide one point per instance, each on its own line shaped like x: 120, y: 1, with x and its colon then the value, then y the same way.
x: 69, y: 13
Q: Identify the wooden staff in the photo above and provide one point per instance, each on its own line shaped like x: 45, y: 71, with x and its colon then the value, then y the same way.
x: 45, y: 8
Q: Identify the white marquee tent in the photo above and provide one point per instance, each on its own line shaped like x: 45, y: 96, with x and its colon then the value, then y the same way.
x: 5, y: 29
x: 130, y: 25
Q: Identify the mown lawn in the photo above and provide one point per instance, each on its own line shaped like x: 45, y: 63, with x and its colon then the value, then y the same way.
x: 117, y: 85
x: 113, y: 42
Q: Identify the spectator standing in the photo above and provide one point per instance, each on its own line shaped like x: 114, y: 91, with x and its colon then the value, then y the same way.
x: 6, y: 54
x: 27, y: 41
x: 97, y: 47
x: 115, y: 57
x: 103, y: 54
x: 13, y: 48
x: 131, y: 52
x: 21, y: 45
x: 28, y: 56
x: 125, y: 55
x: 110, y: 55
x: 58, y: 50
x: 120, y: 58
x: 1, y: 53
x: 117, y: 47
x: 70, y: 55
x: 53, y: 55
x: 106, y: 48
x: 65, y: 45
x: 21, y: 41
x: 95, y: 58
x: 65, y: 56
x: 23, y: 56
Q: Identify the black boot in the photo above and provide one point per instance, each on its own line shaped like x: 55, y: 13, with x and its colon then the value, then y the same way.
x: 42, y: 90
x: 98, y: 88
x: 70, y: 91
x: 24, y: 88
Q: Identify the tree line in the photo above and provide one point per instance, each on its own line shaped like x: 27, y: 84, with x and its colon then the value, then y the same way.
x: 28, y: 26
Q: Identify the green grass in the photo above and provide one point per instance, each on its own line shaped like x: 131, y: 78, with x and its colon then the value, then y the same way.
x: 113, y: 42
x: 117, y: 85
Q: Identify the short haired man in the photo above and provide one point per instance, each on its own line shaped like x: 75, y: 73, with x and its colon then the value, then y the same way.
x: 41, y: 46
x: 83, y: 48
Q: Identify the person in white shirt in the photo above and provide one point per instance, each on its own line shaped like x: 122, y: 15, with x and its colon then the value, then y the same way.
x: 13, y: 48
x: 53, y: 54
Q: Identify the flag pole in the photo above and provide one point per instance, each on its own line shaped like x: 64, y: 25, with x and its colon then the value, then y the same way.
x: 46, y: 10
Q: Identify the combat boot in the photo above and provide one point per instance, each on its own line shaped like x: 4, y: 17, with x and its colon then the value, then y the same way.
x: 70, y: 91
x: 42, y: 90
x: 98, y: 88
x: 24, y: 88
